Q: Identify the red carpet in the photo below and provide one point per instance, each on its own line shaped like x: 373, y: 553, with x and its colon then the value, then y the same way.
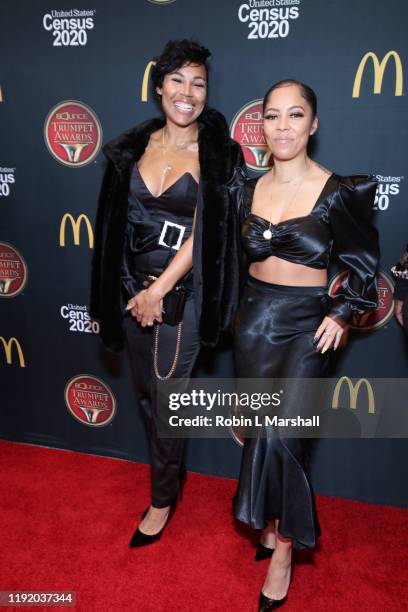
x: 66, y: 519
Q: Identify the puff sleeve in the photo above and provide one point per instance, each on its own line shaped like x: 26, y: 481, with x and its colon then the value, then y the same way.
x: 355, y: 243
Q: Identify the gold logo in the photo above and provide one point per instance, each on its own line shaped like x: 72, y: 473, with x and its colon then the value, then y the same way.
x: 379, y: 69
x: 76, y: 226
x: 7, y: 345
x: 1, y: 95
x: 161, y: 1
x: 353, y: 393
x: 146, y: 80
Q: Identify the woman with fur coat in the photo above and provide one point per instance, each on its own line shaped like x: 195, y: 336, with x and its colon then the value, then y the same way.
x: 165, y: 265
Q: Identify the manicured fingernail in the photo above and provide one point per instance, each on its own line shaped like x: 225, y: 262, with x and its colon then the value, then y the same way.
x: 324, y: 350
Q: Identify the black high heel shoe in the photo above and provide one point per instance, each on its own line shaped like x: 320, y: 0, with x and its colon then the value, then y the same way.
x: 143, y: 539
x: 263, y: 552
x: 266, y: 603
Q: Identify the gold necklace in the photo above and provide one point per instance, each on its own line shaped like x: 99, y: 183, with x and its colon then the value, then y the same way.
x: 179, y: 147
x: 168, y: 167
x: 268, y: 233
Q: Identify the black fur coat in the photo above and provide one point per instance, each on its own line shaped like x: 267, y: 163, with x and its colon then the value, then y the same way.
x: 215, y: 260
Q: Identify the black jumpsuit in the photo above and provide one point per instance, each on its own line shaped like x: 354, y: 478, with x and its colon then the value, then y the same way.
x: 157, y: 227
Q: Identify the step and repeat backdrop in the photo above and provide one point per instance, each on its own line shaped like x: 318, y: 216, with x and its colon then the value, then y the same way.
x: 74, y: 75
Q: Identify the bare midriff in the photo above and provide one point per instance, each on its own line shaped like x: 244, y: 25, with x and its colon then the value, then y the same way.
x: 281, y: 272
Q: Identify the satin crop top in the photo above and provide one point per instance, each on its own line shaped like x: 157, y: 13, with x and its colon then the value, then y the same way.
x: 338, y: 224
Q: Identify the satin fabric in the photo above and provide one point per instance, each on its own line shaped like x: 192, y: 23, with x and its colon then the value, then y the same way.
x: 273, y: 338
x: 339, y: 224
x: 146, y: 217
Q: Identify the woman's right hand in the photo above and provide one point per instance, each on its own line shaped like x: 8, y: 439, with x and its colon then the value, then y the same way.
x: 398, y: 304
x: 146, y: 307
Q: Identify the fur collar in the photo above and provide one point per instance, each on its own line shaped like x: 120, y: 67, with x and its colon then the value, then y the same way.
x: 213, y: 140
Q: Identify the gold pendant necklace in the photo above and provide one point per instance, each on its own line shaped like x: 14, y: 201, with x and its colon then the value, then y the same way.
x: 168, y: 167
x: 268, y: 233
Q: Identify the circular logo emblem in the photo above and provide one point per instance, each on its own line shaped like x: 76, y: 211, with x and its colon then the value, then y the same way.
x: 380, y: 315
x: 13, y: 271
x: 90, y: 400
x: 73, y: 133
x: 161, y: 1
x: 247, y: 129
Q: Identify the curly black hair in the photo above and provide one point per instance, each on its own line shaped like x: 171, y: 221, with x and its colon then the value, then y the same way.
x: 175, y: 54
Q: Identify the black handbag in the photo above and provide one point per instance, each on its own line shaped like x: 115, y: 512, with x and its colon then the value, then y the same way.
x: 172, y: 314
x: 173, y: 302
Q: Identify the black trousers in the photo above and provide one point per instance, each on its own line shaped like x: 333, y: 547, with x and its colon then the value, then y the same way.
x: 274, y: 334
x: 167, y: 454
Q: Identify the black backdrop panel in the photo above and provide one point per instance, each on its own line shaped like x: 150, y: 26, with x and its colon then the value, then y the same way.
x: 98, y: 58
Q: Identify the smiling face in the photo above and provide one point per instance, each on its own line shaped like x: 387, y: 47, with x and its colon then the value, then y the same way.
x: 288, y: 122
x: 184, y: 94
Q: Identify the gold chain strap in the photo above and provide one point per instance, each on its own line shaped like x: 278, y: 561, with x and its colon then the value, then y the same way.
x: 156, y: 352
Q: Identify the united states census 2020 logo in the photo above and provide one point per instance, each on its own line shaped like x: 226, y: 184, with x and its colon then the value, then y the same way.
x: 90, y: 400
x: 247, y: 129
x: 385, y: 308
x: 73, y: 133
x: 13, y: 271
x: 268, y: 19
x: 7, y: 179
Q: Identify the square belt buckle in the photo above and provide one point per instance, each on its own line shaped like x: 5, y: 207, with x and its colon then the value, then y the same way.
x: 181, y: 229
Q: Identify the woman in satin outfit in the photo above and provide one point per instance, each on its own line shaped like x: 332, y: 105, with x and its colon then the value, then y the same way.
x: 293, y: 218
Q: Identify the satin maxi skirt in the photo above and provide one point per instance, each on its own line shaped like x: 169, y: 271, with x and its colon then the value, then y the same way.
x: 274, y: 334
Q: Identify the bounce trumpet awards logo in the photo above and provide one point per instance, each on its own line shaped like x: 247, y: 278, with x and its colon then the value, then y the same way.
x: 373, y: 318
x: 247, y: 129
x: 13, y: 271
x: 7, y: 180
x: 69, y: 28
x: 268, y: 19
x: 90, y: 401
x: 73, y: 133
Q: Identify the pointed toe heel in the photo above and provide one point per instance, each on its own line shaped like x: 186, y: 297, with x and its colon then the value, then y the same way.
x: 143, y: 539
x: 266, y: 603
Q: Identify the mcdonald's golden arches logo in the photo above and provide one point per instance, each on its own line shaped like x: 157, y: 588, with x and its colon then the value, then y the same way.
x: 353, y: 393
x: 379, y: 69
x: 145, y: 83
x: 76, y: 227
x: 8, y: 345
x: 161, y: 1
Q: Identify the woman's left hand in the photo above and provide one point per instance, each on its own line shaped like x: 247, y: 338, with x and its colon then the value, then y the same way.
x: 328, y: 334
x: 146, y: 307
